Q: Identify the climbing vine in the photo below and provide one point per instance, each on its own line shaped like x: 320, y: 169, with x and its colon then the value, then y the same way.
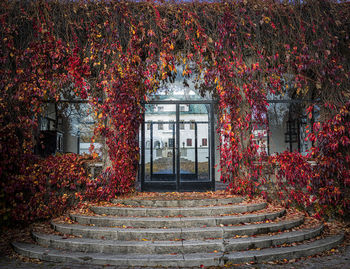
x: 114, y: 54
x: 47, y: 188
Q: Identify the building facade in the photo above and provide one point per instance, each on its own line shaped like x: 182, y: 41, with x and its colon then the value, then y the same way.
x: 179, y: 142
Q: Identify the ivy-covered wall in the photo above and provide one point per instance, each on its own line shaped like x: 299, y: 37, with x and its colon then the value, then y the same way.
x: 116, y: 53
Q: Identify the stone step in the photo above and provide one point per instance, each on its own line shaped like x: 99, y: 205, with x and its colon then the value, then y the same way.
x: 179, y: 203
x: 288, y: 253
x: 173, y: 233
x: 152, y: 222
x: 177, y: 211
x: 167, y: 247
x: 178, y: 260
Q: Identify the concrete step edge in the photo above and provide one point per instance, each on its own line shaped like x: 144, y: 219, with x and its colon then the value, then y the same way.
x: 96, y: 232
x: 152, y: 222
x: 179, y: 203
x: 294, y: 252
x: 177, y: 211
x: 178, y: 260
x: 167, y: 247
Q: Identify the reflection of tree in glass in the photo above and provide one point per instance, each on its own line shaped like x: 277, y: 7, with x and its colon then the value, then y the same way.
x: 78, y: 120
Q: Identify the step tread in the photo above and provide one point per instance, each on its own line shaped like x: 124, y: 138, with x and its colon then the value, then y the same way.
x: 195, y: 259
x: 179, y: 202
x: 179, y: 221
x: 150, y: 209
x: 230, y: 228
x: 281, y: 252
x: 176, y: 211
x: 216, y: 244
x: 171, y: 233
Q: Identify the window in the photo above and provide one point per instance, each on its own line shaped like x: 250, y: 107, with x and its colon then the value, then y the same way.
x: 192, y: 125
x: 189, y: 142
x: 171, y: 142
x: 148, y: 126
x: 156, y: 144
x: 286, y: 130
x: 47, y: 124
x: 261, y: 139
x: 160, y: 126
x: 204, y: 142
x: 171, y: 125
x: 182, y: 126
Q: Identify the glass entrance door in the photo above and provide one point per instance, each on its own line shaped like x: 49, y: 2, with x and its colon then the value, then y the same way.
x: 194, y: 147
x: 176, y: 147
x: 160, y: 147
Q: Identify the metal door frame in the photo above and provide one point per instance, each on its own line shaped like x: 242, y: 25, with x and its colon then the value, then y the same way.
x: 180, y: 186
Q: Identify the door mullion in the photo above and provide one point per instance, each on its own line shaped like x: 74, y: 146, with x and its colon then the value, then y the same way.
x: 151, y: 152
x: 196, y: 149
x: 212, y: 146
x: 177, y: 147
x: 174, y: 151
x: 143, y: 143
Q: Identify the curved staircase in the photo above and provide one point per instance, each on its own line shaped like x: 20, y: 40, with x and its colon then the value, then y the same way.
x: 180, y: 233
